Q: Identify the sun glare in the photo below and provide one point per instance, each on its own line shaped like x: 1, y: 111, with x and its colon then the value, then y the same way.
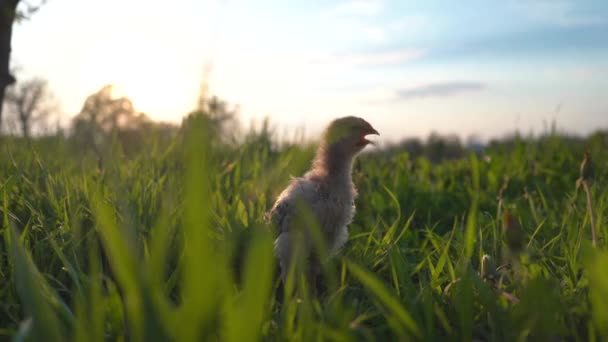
x: 158, y: 82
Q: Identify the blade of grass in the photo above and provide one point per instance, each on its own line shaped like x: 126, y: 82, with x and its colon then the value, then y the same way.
x: 30, y: 286
x: 388, y: 300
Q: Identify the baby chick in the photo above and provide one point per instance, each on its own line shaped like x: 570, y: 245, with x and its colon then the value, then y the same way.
x: 326, y: 193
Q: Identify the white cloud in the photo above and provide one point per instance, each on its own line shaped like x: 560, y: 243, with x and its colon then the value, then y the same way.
x: 409, y: 25
x: 556, y: 12
x: 365, y: 21
x: 356, y: 7
x: 372, y: 58
x: 374, y: 34
x: 392, y: 31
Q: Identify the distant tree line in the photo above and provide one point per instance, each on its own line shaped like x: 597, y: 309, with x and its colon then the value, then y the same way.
x: 436, y: 147
x: 107, y: 121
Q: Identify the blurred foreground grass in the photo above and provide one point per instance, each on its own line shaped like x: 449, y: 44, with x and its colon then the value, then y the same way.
x: 171, y: 244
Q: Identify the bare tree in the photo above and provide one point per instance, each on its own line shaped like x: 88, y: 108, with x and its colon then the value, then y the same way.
x: 30, y: 103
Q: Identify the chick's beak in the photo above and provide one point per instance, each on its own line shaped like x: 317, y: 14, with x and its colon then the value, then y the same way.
x: 368, y: 131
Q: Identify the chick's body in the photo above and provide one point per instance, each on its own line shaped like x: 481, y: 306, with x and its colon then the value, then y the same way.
x: 325, y: 194
x: 332, y: 207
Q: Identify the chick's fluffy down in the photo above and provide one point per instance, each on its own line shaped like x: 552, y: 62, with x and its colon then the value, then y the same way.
x: 331, y: 210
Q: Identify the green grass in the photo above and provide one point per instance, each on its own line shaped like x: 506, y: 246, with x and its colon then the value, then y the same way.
x: 170, y: 244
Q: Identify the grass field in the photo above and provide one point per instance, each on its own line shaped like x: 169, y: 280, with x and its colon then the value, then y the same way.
x: 170, y: 244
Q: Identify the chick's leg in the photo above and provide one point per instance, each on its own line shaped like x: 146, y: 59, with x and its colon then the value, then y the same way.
x: 314, y: 274
x: 283, y: 250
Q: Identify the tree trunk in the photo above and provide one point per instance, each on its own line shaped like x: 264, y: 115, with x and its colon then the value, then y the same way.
x: 25, y: 126
x: 8, y: 10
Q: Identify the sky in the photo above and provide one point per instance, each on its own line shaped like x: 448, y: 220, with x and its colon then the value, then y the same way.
x: 486, y: 68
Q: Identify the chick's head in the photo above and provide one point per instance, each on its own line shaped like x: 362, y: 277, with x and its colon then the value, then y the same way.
x: 348, y: 134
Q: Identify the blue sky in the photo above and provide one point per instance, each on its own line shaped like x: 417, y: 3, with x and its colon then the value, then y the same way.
x: 409, y: 67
